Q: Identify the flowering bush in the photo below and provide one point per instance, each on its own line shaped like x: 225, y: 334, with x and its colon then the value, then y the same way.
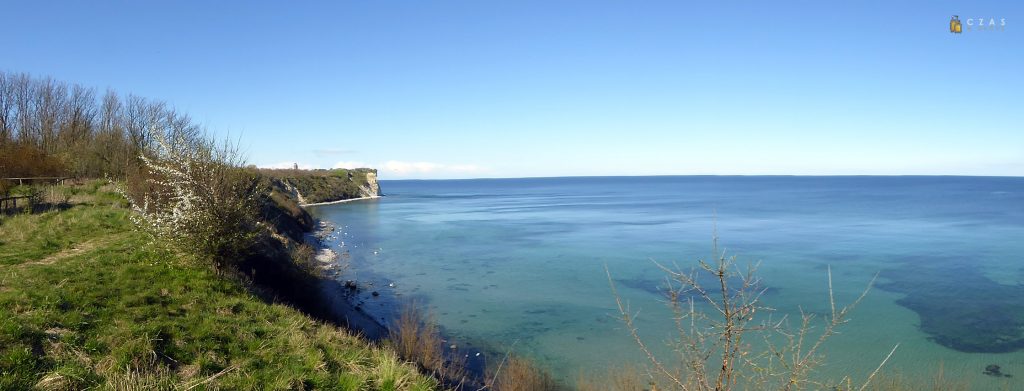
x: 194, y: 194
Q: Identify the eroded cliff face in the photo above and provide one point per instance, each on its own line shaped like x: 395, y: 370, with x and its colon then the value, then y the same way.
x: 370, y: 187
x: 287, y: 187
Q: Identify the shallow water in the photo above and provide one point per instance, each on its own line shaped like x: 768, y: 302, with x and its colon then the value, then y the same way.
x: 520, y: 263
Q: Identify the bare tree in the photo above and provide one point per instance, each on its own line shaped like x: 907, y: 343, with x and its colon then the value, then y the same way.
x: 6, y: 109
x: 24, y: 103
x: 111, y: 112
x: 78, y: 133
x: 710, y: 349
x: 50, y: 98
x: 109, y: 149
x: 80, y: 115
x: 140, y: 116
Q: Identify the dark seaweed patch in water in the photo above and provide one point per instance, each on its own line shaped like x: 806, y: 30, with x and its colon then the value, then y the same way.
x: 460, y: 287
x: 959, y: 307
x: 995, y: 371
x: 707, y: 281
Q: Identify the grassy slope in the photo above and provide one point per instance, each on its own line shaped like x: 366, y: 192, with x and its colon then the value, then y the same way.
x: 85, y: 301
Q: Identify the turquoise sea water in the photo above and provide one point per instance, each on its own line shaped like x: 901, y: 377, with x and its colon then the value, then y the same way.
x: 520, y: 263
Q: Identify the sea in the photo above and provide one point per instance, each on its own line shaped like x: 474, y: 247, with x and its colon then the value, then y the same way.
x: 535, y: 266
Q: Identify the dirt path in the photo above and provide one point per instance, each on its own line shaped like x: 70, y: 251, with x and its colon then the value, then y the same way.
x: 76, y: 249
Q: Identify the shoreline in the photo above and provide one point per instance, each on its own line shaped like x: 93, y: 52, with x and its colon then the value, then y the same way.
x: 340, y: 201
x: 341, y: 300
x: 366, y: 302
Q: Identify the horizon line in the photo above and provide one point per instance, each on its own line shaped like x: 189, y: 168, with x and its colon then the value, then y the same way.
x: 708, y: 175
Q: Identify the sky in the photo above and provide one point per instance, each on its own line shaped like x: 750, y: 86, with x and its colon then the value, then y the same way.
x: 468, y: 89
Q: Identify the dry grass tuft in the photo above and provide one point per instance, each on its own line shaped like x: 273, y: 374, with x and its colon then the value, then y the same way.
x: 53, y: 381
x: 415, y: 336
x: 519, y: 374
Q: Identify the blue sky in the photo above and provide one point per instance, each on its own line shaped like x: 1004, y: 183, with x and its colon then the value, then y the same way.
x: 454, y: 89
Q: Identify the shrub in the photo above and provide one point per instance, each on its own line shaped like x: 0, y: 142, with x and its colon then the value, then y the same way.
x: 25, y: 160
x: 194, y: 194
x: 711, y: 347
x: 304, y: 256
x: 34, y: 194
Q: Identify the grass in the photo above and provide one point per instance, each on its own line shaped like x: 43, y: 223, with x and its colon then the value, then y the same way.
x: 416, y: 337
x: 519, y: 374
x: 87, y: 302
x: 27, y: 237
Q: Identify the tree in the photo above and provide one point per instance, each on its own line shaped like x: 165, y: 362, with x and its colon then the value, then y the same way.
x: 711, y: 346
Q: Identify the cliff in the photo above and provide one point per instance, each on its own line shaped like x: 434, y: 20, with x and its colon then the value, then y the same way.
x: 283, y: 266
x: 316, y: 186
x: 86, y: 302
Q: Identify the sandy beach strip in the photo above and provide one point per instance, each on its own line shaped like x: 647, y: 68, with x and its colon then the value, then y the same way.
x: 340, y: 201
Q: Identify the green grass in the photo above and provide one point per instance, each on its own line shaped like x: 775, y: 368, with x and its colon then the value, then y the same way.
x: 87, y: 302
x: 26, y: 237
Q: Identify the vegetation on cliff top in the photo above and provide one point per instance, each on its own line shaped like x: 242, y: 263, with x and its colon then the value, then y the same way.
x: 327, y: 185
x: 172, y: 280
x: 88, y: 302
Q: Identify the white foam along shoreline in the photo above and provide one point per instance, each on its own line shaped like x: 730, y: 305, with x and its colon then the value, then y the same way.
x: 340, y: 201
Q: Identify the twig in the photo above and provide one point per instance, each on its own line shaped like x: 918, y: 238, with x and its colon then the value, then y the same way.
x: 879, y: 368
x: 831, y: 298
x: 628, y: 320
x: 500, y: 364
x: 209, y: 379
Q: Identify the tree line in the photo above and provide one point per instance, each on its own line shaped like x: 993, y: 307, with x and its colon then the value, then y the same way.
x: 185, y: 187
x: 52, y: 128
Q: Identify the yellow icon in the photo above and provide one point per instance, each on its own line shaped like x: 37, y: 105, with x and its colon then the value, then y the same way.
x: 954, y: 25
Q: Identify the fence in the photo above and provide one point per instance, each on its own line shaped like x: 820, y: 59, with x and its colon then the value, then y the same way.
x: 10, y: 204
x: 57, y: 180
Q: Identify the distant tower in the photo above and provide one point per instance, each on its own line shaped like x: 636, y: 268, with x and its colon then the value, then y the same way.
x: 295, y: 166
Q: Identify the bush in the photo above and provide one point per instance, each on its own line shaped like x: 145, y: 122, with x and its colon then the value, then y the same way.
x: 304, y: 256
x: 34, y: 194
x: 25, y: 160
x: 194, y: 194
x: 711, y: 347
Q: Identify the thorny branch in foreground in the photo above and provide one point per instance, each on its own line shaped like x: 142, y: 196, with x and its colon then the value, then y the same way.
x: 710, y: 347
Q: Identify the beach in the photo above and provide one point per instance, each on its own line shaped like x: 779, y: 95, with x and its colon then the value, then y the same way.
x: 340, y: 201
